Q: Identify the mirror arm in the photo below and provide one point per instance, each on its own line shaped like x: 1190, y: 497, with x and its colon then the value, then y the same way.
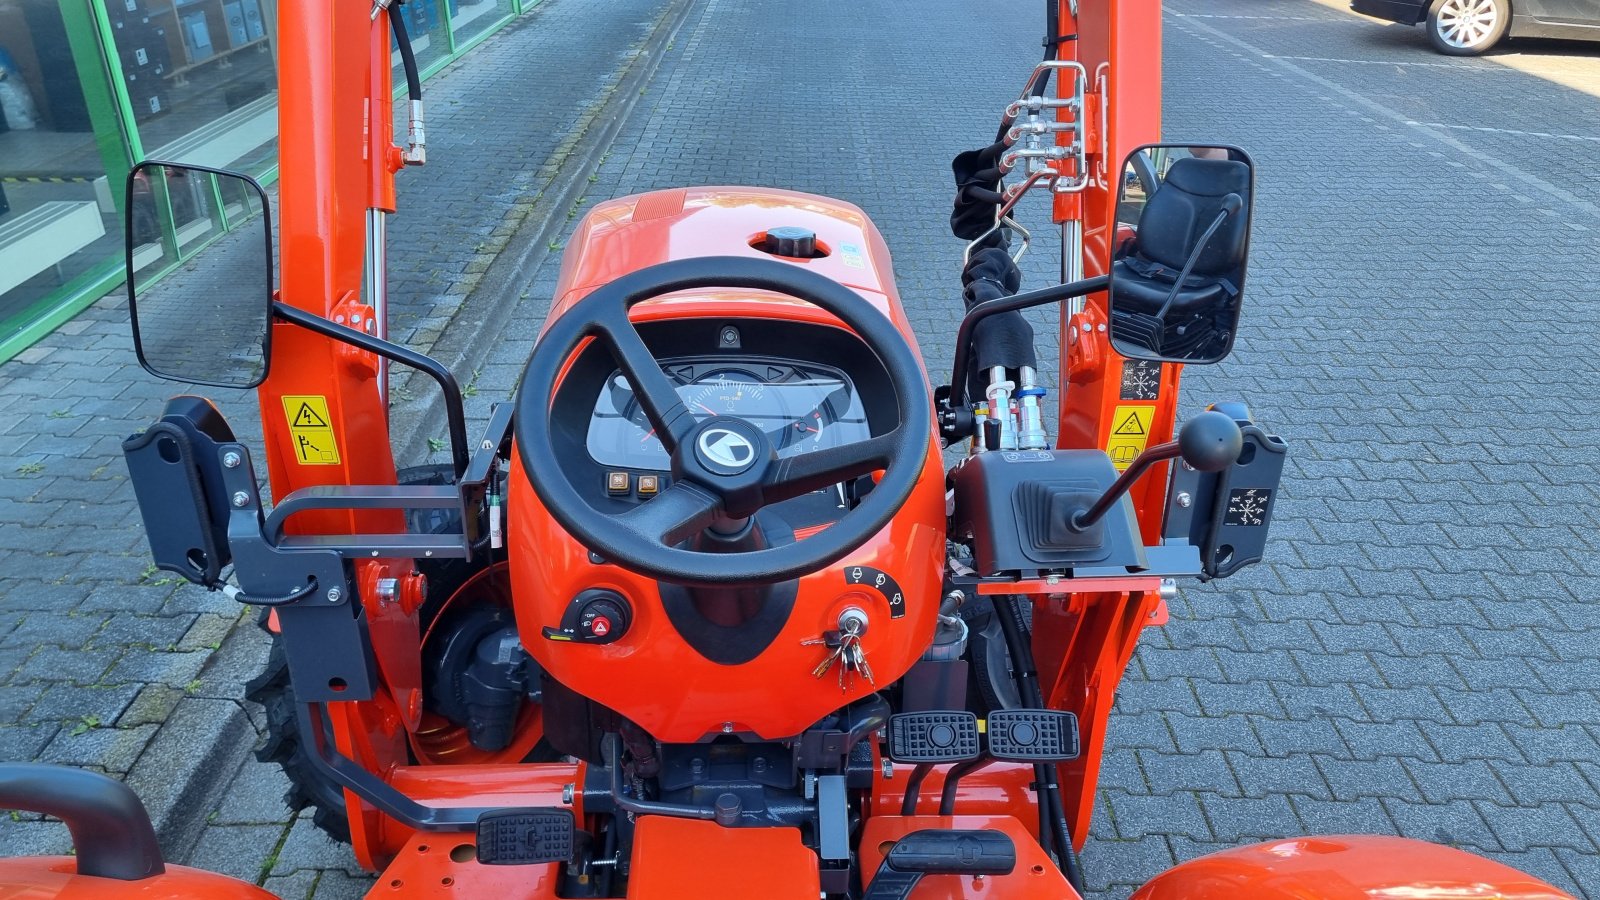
x: 1024, y: 300
x: 394, y: 353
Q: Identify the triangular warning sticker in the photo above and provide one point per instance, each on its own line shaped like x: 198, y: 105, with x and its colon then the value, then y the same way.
x: 307, y: 417
x: 1130, y: 425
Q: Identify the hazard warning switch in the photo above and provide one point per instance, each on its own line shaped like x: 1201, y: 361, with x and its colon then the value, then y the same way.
x: 593, y: 617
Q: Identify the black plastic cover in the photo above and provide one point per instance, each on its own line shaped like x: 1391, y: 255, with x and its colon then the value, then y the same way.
x: 1009, y: 505
x: 1003, y: 339
x: 1228, y: 513
x: 954, y: 852
x: 178, y: 483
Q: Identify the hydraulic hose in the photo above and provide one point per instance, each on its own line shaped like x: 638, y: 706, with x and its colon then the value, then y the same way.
x: 1052, y: 814
x: 408, y: 59
x: 1052, y: 37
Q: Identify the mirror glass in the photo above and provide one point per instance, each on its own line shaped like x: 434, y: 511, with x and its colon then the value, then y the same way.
x: 199, y: 274
x: 1178, y: 256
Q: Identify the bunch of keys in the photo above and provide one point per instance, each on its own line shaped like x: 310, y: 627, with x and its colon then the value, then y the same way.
x: 846, y: 646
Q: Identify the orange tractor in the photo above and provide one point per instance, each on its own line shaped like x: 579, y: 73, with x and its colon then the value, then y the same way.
x: 736, y: 598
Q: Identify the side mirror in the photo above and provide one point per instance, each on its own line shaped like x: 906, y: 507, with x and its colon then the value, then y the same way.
x: 1178, y: 256
x: 199, y: 274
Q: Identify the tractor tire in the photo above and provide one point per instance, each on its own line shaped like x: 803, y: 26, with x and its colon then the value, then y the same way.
x: 308, y: 786
x: 1467, y: 27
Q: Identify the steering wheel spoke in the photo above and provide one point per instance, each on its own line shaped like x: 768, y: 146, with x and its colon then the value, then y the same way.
x: 819, y: 469
x: 676, y: 513
x: 657, y: 395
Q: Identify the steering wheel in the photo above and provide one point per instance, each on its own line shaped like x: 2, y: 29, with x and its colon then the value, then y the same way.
x: 724, y: 468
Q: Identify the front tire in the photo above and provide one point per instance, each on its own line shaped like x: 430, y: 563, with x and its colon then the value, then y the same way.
x: 1467, y: 27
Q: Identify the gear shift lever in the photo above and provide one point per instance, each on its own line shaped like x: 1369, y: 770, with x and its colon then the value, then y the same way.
x: 1208, y: 442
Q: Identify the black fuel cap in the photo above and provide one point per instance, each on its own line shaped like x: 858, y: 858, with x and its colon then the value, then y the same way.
x: 791, y: 241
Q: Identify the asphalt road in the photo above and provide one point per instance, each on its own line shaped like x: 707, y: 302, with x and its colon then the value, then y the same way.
x: 1421, y: 653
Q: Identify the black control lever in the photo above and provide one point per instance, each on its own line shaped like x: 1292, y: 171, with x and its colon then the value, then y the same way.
x: 1231, y: 204
x: 1209, y: 442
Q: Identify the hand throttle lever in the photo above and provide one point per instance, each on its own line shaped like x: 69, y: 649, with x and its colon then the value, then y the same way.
x: 1209, y: 442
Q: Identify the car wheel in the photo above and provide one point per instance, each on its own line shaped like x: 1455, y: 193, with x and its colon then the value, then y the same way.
x: 1467, y: 27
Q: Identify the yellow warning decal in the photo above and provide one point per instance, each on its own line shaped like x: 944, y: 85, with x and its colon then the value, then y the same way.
x: 311, y: 430
x: 1130, y: 432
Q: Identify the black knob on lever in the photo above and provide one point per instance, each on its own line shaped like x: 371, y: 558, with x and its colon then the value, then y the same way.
x: 1209, y: 442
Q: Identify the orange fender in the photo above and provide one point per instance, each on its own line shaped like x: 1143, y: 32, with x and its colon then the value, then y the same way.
x: 1345, y: 867
x: 57, y: 878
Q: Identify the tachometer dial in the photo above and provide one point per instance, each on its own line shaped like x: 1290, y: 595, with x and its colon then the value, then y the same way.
x: 726, y: 393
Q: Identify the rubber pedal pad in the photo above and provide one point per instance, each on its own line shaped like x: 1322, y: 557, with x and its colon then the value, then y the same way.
x: 1033, y: 735
x: 525, y: 837
x: 940, y: 736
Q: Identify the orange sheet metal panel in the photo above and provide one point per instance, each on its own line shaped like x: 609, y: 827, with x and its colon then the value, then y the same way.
x: 56, y: 878
x: 446, y: 865
x: 1034, y: 878
x: 1360, y: 867
x: 690, y: 859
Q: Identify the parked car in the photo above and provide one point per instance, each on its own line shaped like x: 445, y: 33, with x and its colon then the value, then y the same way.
x: 1470, y: 27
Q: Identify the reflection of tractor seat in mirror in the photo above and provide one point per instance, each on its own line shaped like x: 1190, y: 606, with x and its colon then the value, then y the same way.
x: 1173, y: 219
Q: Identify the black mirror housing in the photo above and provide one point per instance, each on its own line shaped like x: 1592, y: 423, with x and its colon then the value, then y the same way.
x: 200, y: 273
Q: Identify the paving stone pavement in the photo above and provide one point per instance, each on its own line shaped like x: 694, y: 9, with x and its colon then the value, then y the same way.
x: 1419, y: 654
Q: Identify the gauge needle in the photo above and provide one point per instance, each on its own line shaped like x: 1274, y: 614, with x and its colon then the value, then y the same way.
x: 706, y: 408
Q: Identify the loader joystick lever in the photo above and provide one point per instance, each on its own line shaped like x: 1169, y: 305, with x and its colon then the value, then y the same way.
x: 1209, y: 442
x: 724, y: 468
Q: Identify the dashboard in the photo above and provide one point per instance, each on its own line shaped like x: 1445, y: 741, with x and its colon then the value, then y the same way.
x: 808, y: 386
x: 802, y: 407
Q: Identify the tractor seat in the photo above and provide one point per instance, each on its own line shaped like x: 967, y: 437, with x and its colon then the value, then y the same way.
x: 1174, y: 217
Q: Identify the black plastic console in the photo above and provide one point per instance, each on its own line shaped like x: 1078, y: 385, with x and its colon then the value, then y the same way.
x: 1014, y: 506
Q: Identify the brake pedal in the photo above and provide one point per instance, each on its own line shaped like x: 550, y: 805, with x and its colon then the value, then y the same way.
x: 933, y: 737
x: 525, y: 837
x: 1033, y: 735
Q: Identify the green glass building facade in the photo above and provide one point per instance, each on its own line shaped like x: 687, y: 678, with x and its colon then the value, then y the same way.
x: 89, y: 87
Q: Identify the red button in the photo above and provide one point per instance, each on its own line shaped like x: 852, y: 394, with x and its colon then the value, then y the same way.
x: 600, y: 627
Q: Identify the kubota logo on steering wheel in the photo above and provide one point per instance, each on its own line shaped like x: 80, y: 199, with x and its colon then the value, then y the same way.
x: 726, y: 448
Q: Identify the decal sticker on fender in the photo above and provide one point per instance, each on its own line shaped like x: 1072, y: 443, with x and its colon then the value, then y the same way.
x: 1130, y: 432
x: 311, y: 430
